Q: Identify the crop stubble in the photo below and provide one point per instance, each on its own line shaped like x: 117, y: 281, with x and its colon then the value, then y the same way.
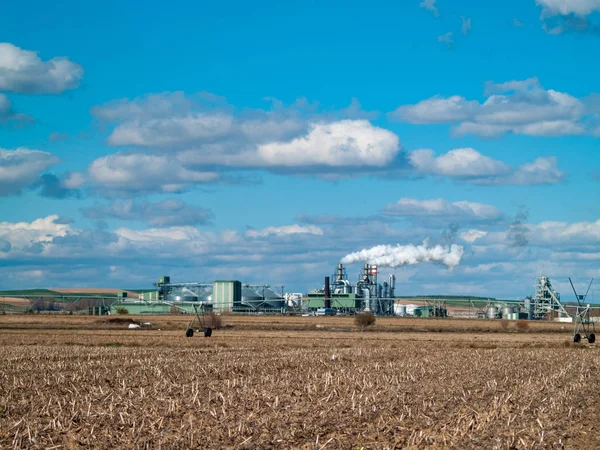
x: 297, y: 390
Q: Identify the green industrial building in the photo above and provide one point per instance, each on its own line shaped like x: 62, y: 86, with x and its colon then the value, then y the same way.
x: 338, y: 301
x: 227, y: 295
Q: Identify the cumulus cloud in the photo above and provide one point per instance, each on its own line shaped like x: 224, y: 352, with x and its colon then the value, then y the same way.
x: 165, y: 213
x: 285, y: 230
x: 566, y: 7
x: 122, y: 174
x: 462, y: 211
x: 473, y: 235
x: 469, y: 165
x: 297, y: 260
x: 21, y: 168
x: 430, y: 5
x: 338, y: 144
x: 24, y: 72
x: 39, y: 231
x: 519, y: 107
x: 204, y: 132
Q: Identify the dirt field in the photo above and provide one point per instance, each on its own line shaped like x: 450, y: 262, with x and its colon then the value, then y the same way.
x: 294, y: 382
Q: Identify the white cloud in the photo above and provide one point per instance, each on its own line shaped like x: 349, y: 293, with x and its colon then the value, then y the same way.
x: 559, y: 16
x: 21, y: 168
x: 564, y: 232
x: 204, y: 132
x: 285, y: 230
x: 436, y: 110
x: 461, y: 162
x: 136, y: 173
x: 430, y: 5
x: 566, y: 7
x: 450, y: 211
x: 520, y: 107
x: 337, y: 144
x: 165, y: 213
x: 472, y: 235
x: 43, y: 230
x: 24, y: 72
x: 471, y: 166
x: 73, y: 180
x: 554, y: 249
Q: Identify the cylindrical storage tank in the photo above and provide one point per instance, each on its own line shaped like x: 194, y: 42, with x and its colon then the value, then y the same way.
x: 182, y: 295
x: 515, y: 316
x: 206, y: 295
x: 400, y: 310
x: 273, y: 299
x: 251, y: 298
x: 506, y: 312
x: 492, y: 312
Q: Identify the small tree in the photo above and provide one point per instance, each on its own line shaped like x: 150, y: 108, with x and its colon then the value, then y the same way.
x: 504, y: 324
x: 522, y: 325
x: 213, y: 321
x: 364, y: 319
x: 121, y: 310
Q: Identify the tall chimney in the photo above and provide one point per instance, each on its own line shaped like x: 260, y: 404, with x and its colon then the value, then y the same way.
x: 327, y: 293
x: 340, y: 272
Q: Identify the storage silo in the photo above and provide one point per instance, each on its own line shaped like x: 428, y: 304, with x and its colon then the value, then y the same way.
x: 227, y: 295
x: 206, y: 296
x: 251, y: 298
x: 182, y: 295
x: 272, y: 298
x: 400, y: 310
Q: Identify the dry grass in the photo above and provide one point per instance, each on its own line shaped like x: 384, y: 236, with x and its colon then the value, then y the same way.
x: 295, y: 389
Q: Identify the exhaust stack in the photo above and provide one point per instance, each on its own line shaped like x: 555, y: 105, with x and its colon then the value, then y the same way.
x: 327, y: 293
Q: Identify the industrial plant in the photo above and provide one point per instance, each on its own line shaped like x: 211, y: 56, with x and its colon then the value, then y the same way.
x: 369, y: 291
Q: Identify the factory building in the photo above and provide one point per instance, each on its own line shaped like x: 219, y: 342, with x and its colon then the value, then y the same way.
x: 222, y: 296
x: 344, y: 297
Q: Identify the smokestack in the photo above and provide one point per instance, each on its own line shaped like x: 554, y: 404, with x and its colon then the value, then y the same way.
x: 366, y: 272
x: 340, y: 272
x: 327, y: 293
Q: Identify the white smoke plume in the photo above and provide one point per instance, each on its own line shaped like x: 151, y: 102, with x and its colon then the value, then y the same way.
x: 400, y: 255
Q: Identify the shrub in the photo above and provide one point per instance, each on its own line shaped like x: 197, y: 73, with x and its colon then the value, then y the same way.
x: 211, y: 320
x: 522, y: 325
x: 364, y: 319
x: 121, y: 310
x: 504, y: 324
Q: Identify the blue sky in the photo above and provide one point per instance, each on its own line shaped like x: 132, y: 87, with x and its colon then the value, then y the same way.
x: 266, y: 141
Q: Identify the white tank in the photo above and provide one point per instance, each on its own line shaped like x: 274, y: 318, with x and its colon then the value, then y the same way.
x: 410, y: 309
x: 400, y: 310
